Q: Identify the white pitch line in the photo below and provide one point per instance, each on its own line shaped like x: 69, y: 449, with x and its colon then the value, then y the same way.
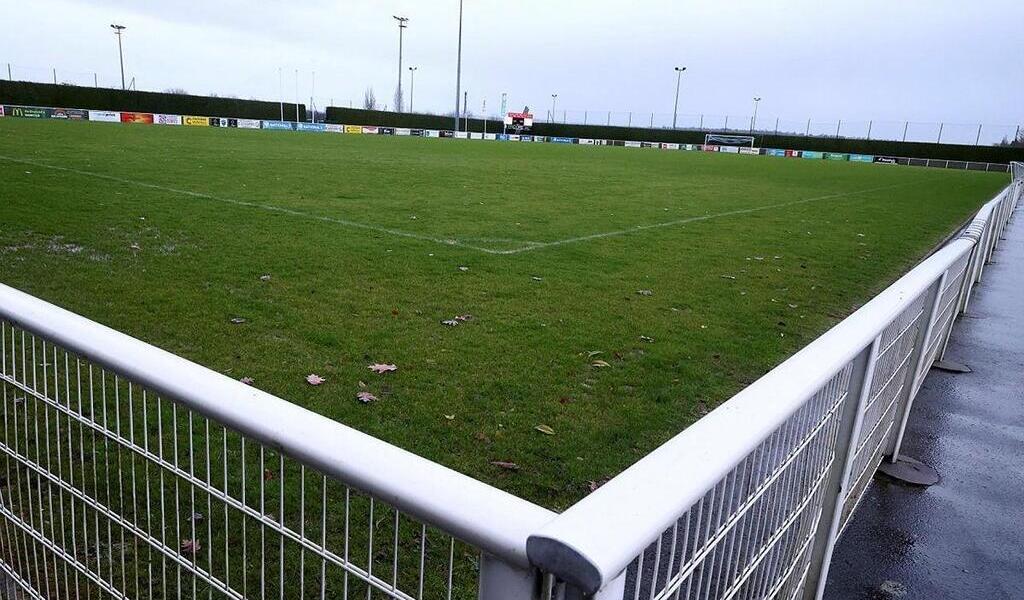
x: 742, y: 211
x: 270, y: 207
x: 529, y: 245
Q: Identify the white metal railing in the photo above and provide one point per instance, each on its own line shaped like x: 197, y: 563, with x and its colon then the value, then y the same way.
x: 749, y: 501
x: 133, y: 473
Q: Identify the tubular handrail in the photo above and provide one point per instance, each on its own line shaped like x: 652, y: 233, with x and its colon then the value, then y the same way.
x: 494, y: 521
x: 636, y: 506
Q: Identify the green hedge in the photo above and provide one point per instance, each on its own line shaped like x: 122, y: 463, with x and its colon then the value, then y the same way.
x: 72, y: 96
x: 994, y: 154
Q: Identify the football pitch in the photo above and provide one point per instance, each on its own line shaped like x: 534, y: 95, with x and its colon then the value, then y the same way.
x: 597, y: 299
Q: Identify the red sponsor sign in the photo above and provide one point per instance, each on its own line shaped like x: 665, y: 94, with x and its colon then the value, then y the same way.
x: 133, y: 117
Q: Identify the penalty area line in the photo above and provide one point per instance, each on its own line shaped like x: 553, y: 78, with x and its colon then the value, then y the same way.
x: 742, y: 211
x: 262, y: 206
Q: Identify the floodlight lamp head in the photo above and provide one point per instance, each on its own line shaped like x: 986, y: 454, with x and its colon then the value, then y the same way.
x: 401, y: 20
x: 680, y: 69
x: 117, y: 28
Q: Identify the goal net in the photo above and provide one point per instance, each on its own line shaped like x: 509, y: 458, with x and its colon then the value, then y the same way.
x: 715, y: 139
x: 1017, y: 171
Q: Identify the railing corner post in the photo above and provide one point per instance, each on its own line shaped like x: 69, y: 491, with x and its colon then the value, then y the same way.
x: 500, y: 580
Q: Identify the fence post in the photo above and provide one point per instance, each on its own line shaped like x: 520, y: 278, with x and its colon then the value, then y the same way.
x: 939, y: 141
x: 502, y: 581
x: 870, y: 123
x: 916, y: 364
x: 977, y: 140
x: 851, y: 416
x: 906, y: 125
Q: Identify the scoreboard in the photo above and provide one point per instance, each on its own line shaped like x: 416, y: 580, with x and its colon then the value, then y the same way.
x: 518, y: 122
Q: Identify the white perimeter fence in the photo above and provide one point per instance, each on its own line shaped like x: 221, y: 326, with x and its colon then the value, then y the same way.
x: 133, y: 473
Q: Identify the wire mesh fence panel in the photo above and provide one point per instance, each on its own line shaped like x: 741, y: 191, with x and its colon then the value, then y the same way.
x: 112, y: 491
x: 749, y: 535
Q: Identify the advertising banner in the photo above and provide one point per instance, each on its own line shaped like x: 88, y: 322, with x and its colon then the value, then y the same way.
x: 512, y: 137
x: 562, y: 140
x: 167, y: 119
x: 28, y: 112
x: 136, y: 117
x: 193, y: 121
x: 314, y: 127
x: 278, y: 125
x: 247, y: 123
x: 369, y: 130
x: 222, y: 122
x: 461, y: 135
x: 402, y: 131
x: 70, y: 114
x: 446, y: 134
x: 670, y: 146
x: 385, y: 131
x: 502, y: 137
x: 729, y: 149
x: 775, y: 152
x: 812, y: 154
x: 475, y: 136
x: 490, y: 136
x: 431, y: 133
x: 649, y: 145
x: 633, y: 145
x: 886, y: 160
x: 105, y: 116
x: 334, y: 128
x: 417, y: 133
x: 1, y: 110
x: 525, y: 138
x: 540, y: 138
x: 793, y: 154
x: 353, y: 129
x: 586, y: 142
x: 836, y: 156
x: 745, y: 150
x: 707, y: 148
x: 865, y: 158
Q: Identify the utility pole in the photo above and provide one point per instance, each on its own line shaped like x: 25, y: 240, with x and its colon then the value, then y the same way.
x: 675, y: 111
x: 465, y: 109
x: 753, y: 120
x: 312, y: 102
x: 120, y: 52
x: 403, y: 22
x: 296, y: 97
x: 554, y: 97
x: 412, y: 85
x: 280, y: 91
x: 458, y: 71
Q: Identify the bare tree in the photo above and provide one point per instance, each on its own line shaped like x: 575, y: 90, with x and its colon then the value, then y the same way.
x: 369, y: 99
x: 399, y: 105
x: 181, y: 91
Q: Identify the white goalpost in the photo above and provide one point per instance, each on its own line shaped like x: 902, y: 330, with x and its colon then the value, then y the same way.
x: 716, y: 139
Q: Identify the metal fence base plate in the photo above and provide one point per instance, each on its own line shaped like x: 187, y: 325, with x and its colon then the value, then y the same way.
x: 951, y: 367
x: 909, y: 470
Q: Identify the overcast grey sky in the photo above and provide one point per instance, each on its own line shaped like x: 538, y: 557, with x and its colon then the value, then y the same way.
x: 958, y: 61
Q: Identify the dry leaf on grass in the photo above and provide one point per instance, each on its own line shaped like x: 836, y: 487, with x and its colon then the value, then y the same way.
x: 645, y: 292
x: 508, y: 466
x: 247, y: 380
x: 600, y: 364
x: 314, y: 379
x: 647, y: 339
x: 450, y: 322
x: 545, y: 429
x: 382, y: 368
x: 264, y: 277
x: 190, y: 547
x: 365, y: 397
x: 237, y: 320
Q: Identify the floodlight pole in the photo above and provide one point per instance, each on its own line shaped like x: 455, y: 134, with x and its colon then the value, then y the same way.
x: 675, y: 110
x: 458, y: 71
x: 280, y: 91
x: 412, y: 85
x: 402, y: 24
x: 554, y: 97
x: 753, y: 120
x: 296, y: 98
x: 120, y: 51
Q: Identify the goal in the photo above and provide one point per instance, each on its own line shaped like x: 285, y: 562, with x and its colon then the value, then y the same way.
x: 716, y: 139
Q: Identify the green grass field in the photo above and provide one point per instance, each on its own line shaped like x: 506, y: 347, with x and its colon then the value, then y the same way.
x: 371, y: 242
